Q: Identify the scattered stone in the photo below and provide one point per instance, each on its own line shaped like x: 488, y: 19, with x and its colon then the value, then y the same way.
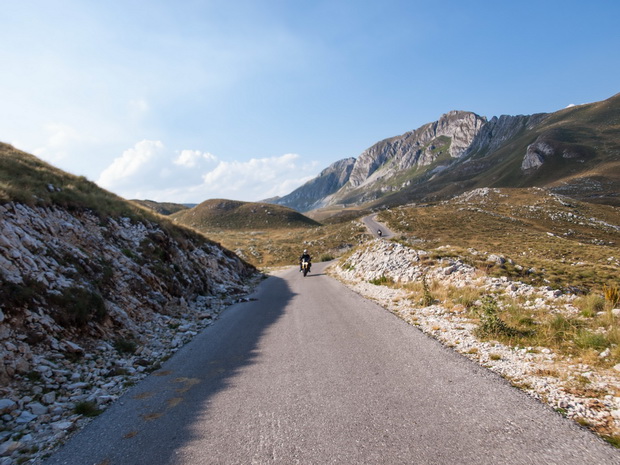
x: 37, y: 409
x: 7, y: 406
x: 61, y: 425
x: 72, y: 348
x: 43, y: 372
x: 7, y: 448
x: 25, y: 417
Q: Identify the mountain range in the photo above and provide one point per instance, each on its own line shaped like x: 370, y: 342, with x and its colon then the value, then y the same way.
x: 574, y: 151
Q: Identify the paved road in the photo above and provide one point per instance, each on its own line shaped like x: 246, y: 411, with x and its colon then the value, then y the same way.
x: 374, y: 226
x: 311, y: 373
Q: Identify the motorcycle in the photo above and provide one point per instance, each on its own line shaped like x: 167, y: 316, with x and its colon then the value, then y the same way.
x: 305, y: 267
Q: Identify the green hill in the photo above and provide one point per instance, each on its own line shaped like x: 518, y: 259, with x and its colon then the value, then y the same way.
x: 163, y: 208
x: 231, y: 214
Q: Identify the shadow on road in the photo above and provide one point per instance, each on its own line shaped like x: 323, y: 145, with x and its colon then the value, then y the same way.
x: 153, y: 420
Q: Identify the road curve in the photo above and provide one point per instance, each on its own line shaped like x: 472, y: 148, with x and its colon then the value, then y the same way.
x: 374, y: 226
x: 311, y: 373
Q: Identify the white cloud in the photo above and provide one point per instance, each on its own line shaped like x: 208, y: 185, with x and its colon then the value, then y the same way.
x: 134, y: 165
x: 150, y: 171
x: 191, y: 158
x: 60, y: 138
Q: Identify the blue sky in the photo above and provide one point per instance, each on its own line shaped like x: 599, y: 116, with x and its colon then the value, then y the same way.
x: 189, y: 100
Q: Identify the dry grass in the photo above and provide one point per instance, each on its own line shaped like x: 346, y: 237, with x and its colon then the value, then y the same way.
x: 547, y: 240
x: 267, y: 249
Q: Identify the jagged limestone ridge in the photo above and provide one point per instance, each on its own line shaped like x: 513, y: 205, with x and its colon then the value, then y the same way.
x: 330, y: 180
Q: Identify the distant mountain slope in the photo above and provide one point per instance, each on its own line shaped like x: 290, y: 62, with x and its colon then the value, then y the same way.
x: 232, y: 214
x: 310, y: 195
x: 163, y: 208
x: 575, y: 151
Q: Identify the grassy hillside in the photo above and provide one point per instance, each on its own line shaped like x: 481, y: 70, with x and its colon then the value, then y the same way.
x: 163, y: 208
x: 26, y: 179
x: 234, y: 215
x: 546, y: 238
x: 267, y: 235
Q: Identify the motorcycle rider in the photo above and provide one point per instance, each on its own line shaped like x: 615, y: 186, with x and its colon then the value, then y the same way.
x: 305, y: 256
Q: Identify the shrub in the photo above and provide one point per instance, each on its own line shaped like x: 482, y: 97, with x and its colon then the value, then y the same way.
x: 125, y: 346
x: 561, y: 329
x: 612, y: 294
x: 591, y: 304
x: 588, y: 340
x: 467, y: 296
x: 382, y: 281
x: 16, y: 295
x: 427, y: 297
x: 491, y: 325
x: 78, y: 306
x: 88, y: 409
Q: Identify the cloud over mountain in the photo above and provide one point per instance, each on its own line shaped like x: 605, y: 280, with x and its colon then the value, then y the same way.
x: 150, y: 170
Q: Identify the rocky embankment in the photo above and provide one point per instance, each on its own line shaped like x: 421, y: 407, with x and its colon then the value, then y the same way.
x: 589, y: 394
x: 89, y: 306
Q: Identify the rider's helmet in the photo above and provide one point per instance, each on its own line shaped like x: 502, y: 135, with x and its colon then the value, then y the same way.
x: 305, y: 250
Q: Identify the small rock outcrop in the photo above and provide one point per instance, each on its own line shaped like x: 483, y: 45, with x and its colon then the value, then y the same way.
x: 536, y: 154
x: 549, y: 145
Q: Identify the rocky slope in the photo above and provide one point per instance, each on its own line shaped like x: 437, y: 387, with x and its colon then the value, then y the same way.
x: 90, y: 304
x: 310, y: 196
x: 417, y: 147
x: 585, y: 393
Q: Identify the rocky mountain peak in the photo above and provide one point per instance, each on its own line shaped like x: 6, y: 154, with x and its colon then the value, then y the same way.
x: 418, y: 147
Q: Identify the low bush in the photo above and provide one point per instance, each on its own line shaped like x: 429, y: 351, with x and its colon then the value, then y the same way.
x: 77, y: 306
x: 381, y: 281
x: 590, y: 304
x: 87, y: 409
x: 612, y: 295
x: 491, y: 325
x: 125, y: 346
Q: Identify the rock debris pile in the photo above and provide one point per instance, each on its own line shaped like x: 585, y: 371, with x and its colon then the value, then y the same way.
x: 88, y: 306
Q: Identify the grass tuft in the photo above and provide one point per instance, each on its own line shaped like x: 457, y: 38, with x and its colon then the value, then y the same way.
x: 87, y: 409
x: 382, y: 281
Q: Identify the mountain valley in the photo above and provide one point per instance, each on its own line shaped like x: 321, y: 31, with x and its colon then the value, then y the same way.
x: 96, y: 291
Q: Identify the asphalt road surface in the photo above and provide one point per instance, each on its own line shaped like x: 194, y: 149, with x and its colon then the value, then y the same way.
x: 374, y: 226
x: 311, y: 373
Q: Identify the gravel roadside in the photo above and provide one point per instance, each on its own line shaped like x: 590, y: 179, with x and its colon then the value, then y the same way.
x: 539, y: 371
